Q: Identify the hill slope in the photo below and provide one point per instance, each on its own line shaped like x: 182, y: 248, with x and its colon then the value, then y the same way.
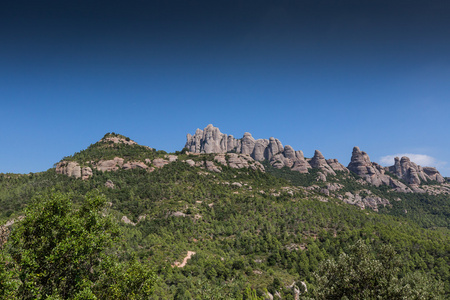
x: 247, y: 222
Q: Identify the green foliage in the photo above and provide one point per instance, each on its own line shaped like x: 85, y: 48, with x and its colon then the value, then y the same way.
x: 365, y: 275
x: 107, y: 149
x: 8, y: 273
x: 59, y: 248
x: 248, y: 238
x: 294, y: 177
x: 61, y: 252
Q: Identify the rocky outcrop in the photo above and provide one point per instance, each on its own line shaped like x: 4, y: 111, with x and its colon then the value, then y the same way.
x: 134, y: 165
x: 367, y: 200
x: 159, y: 162
x: 110, y: 165
x: 318, y: 162
x: 336, y: 165
x: 211, y: 140
x: 372, y: 172
x: 238, y: 161
x: 210, y: 166
x: 412, y: 173
x: 86, y: 172
x: 117, y: 140
x: 109, y: 184
x: 434, y: 174
x: 73, y: 169
x: 69, y: 168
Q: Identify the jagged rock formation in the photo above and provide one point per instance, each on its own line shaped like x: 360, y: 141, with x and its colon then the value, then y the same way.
x: 412, y: 173
x: 211, y: 140
x: 372, y: 172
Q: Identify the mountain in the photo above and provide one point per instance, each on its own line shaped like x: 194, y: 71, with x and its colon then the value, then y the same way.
x: 226, y: 217
x: 211, y: 140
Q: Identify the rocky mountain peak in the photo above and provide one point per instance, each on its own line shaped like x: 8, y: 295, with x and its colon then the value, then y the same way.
x: 412, y: 173
x: 211, y: 140
x: 270, y: 149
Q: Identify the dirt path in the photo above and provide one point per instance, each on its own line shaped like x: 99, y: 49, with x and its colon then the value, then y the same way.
x: 188, y: 256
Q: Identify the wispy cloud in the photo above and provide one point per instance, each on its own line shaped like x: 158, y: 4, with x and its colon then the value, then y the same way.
x: 420, y: 159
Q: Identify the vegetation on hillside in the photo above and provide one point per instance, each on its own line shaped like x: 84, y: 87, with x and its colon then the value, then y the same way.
x: 253, y: 233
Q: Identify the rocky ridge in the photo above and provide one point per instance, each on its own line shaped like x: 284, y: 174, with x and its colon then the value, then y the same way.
x: 211, y: 140
x: 407, y: 176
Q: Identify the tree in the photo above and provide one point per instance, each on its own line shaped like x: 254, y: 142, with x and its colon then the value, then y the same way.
x: 61, y: 252
x: 364, y: 275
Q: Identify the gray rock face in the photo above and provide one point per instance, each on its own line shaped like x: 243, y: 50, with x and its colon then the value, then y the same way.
x: 412, y: 173
x: 367, y: 201
x: 110, y: 165
x: 434, y: 174
x: 259, y: 151
x: 159, y: 162
x: 210, y: 166
x: 336, y: 165
x: 372, y: 172
x: 300, y: 163
x: 73, y: 169
x: 247, y: 144
x: 86, y: 172
x: 318, y: 162
x: 69, y: 168
x: 238, y: 161
x: 211, y: 140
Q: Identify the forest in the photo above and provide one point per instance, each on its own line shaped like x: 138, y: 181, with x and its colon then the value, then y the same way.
x: 253, y: 233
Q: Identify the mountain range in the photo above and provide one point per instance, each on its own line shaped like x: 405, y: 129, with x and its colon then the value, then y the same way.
x: 228, y: 217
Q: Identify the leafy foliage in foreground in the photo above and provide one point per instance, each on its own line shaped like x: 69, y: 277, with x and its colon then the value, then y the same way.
x: 65, y: 253
x: 365, y: 275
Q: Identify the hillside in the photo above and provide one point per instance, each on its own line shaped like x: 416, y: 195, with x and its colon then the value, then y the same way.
x: 215, y: 221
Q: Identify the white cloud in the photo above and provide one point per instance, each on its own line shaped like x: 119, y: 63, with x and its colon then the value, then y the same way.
x: 420, y: 159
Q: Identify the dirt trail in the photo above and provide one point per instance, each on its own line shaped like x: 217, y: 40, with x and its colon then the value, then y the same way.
x: 188, y: 256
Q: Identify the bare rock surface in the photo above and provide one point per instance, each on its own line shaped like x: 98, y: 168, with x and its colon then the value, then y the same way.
x: 210, y: 166
x: 412, y: 173
x: 127, y: 221
x: 118, y: 139
x: 211, y: 140
x: 238, y: 161
x: 160, y: 162
x: 367, y: 200
x: 69, y: 168
x: 372, y: 172
x: 86, y: 172
x: 109, y: 184
x: 190, y: 162
x: 110, y: 165
x: 318, y: 162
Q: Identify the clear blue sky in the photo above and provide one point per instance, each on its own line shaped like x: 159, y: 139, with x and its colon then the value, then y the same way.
x: 325, y: 75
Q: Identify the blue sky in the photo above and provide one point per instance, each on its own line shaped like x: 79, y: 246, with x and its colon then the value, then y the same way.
x: 325, y: 75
